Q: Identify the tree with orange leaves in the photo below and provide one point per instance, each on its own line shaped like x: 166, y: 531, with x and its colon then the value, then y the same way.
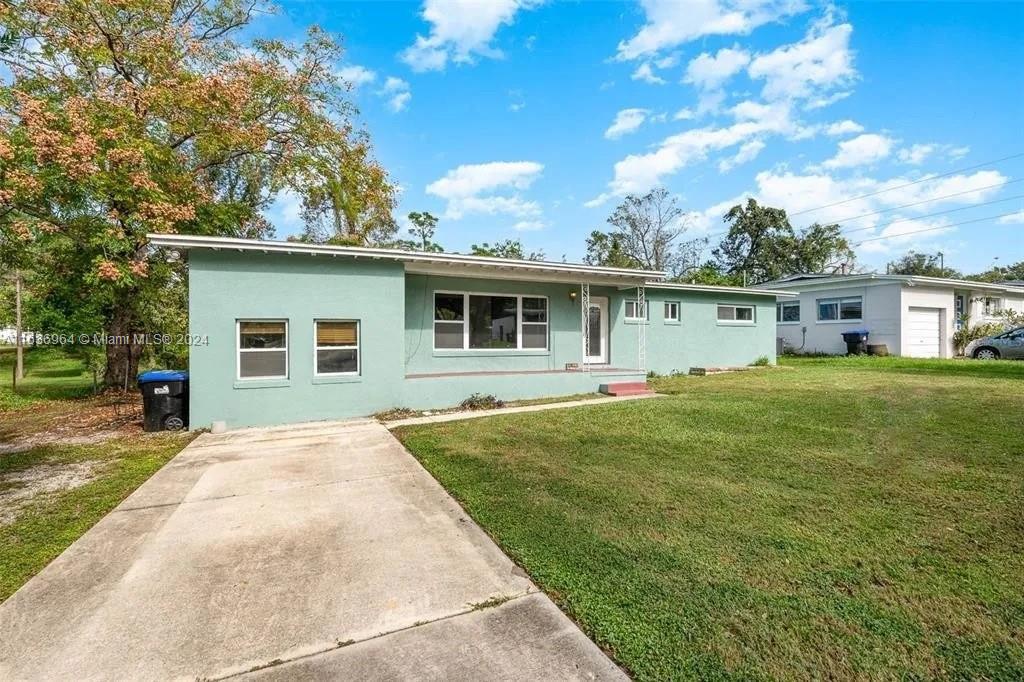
x: 123, y: 117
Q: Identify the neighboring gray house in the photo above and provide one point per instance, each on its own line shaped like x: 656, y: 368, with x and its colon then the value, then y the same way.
x: 914, y: 316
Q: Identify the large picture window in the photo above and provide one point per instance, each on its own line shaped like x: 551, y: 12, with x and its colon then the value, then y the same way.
x: 464, y: 321
x: 337, y: 347
x: 262, y: 349
x: 847, y: 309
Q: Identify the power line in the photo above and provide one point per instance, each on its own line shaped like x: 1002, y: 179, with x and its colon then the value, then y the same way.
x: 916, y: 203
x: 933, y: 229
x: 929, y: 201
x: 932, y: 215
x: 909, y: 184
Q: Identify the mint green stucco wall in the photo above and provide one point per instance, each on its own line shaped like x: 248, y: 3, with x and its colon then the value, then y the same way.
x: 699, y: 339
x: 227, y: 286
x: 395, y: 312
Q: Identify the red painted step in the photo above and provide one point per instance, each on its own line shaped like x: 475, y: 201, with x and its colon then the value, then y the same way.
x: 618, y: 388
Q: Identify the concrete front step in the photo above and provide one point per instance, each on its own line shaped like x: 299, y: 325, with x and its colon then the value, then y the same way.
x: 618, y: 388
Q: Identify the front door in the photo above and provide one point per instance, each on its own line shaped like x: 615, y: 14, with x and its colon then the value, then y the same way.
x: 596, y: 352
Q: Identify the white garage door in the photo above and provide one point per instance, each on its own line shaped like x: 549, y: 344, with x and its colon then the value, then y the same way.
x: 923, y: 333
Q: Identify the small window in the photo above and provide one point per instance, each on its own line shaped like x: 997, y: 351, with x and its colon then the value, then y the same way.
x: 787, y: 312
x: 840, y: 309
x: 262, y: 349
x: 337, y: 347
x: 992, y: 305
x: 633, y: 311
x: 736, y: 314
x: 671, y: 311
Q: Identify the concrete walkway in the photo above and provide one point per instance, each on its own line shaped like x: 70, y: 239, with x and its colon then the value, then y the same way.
x: 476, y: 414
x: 317, y: 552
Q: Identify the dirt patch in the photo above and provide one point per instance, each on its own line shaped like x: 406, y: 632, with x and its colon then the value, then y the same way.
x: 19, y: 488
x: 72, y: 422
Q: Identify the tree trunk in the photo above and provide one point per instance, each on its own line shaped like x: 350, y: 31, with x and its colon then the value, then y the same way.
x: 123, y: 349
x: 19, y: 362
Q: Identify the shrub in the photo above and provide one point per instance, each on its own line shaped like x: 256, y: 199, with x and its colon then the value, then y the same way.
x: 478, y: 401
x: 967, y: 333
x: 396, y: 413
x: 762, y: 361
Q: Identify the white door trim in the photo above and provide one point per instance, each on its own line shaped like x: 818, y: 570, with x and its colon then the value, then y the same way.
x: 601, y: 303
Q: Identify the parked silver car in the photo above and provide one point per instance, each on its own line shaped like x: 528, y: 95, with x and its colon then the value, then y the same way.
x: 1009, y: 345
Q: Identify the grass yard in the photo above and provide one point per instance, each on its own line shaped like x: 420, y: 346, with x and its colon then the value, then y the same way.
x: 65, y: 460
x: 37, y: 522
x: 846, y: 519
x: 50, y: 374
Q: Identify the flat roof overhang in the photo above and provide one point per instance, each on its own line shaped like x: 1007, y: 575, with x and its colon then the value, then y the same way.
x: 419, y: 262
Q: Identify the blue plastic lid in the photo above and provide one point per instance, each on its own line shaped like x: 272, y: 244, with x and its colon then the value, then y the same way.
x: 856, y: 331
x: 155, y: 375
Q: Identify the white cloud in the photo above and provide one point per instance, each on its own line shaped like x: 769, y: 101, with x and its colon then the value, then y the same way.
x: 640, y: 172
x: 709, y: 72
x: 529, y: 225
x: 357, y: 75
x: 645, y: 73
x: 285, y: 213
x: 903, y: 232
x: 684, y: 114
x: 861, y: 150
x: 748, y: 152
x: 478, y: 188
x: 1012, y: 219
x: 671, y: 22
x: 844, y: 202
x: 915, y: 154
x: 460, y: 30
x: 846, y: 127
x: 396, y: 91
x: 821, y: 62
x: 804, y: 197
x: 626, y: 121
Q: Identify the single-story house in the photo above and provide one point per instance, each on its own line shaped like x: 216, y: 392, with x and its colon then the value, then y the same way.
x: 913, y: 316
x: 287, y: 331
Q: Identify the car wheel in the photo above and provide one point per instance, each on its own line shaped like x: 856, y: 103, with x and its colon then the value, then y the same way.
x: 986, y: 354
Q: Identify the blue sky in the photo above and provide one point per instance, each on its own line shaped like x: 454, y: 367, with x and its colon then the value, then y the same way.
x: 515, y: 118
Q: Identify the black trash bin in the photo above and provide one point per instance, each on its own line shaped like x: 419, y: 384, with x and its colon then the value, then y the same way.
x: 856, y: 341
x: 164, y: 399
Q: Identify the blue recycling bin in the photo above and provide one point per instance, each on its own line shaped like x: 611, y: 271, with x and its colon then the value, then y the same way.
x: 164, y: 399
x: 856, y: 341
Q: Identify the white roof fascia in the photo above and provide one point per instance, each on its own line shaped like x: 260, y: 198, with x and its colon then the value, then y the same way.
x: 870, y: 279
x: 415, y: 259
x: 712, y: 288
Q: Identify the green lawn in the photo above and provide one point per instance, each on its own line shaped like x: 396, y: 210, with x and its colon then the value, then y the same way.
x: 845, y: 519
x: 51, y: 521
x: 40, y: 515
x: 50, y: 374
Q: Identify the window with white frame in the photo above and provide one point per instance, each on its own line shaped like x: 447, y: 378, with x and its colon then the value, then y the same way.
x: 262, y: 349
x: 337, y: 347
x: 848, y: 309
x: 671, y: 311
x: 535, y: 322
x: 787, y: 312
x: 992, y: 305
x: 633, y: 311
x: 464, y: 321
x: 736, y: 314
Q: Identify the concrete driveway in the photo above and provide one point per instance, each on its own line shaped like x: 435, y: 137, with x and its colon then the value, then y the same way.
x: 320, y: 551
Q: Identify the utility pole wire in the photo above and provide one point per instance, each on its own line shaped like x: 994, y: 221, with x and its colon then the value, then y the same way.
x: 909, y: 184
x: 932, y: 229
